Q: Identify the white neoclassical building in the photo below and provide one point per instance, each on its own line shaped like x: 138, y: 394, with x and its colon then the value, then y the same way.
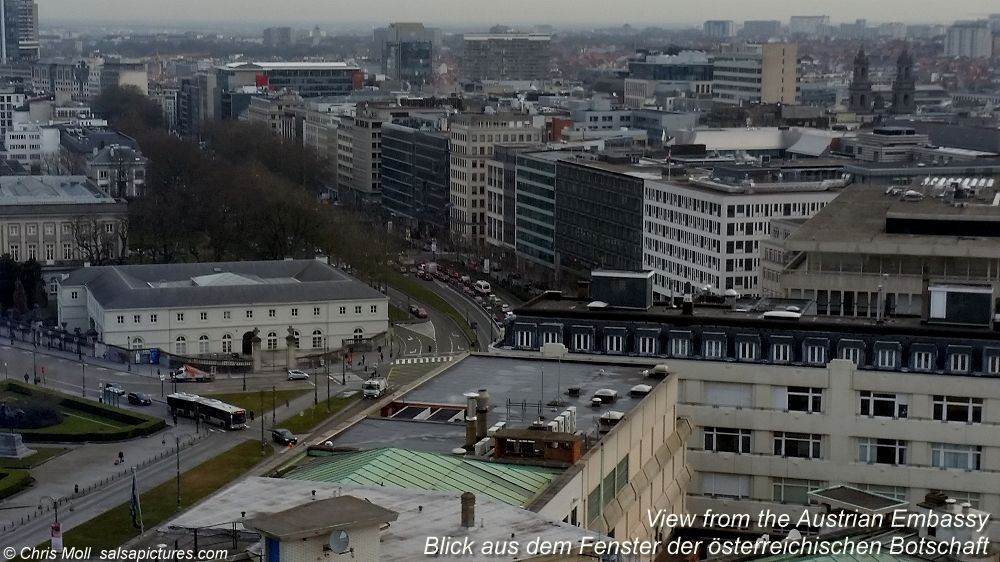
x: 204, y: 308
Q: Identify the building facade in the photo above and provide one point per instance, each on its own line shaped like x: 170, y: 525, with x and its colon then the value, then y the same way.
x: 719, y: 29
x: 18, y: 31
x: 407, y: 52
x: 415, y: 179
x: 748, y: 74
x: 507, y: 56
x: 970, y: 39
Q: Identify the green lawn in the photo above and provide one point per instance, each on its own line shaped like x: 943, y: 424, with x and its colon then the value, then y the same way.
x: 75, y: 421
x: 397, y: 314
x: 13, y: 481
x: 312, y: 416
x: 41, y: 455
x: 251, y: 400
x: 114, y: 527
x: 416, y: 290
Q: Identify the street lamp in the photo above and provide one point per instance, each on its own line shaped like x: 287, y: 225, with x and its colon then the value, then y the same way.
x: 128, y: 352
x: 55, y: 505
x: 83, y: 379
x: 177, y: 453
x: 274, y: 404
x: 262, y: 442
x: 4, y: 370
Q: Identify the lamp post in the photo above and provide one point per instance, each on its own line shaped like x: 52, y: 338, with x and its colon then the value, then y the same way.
x: 262, y: 442
x: 83, y: 379
x: 326, y: 363
x: 274, y: 404
x: 128, y: 352
x: 55, y: 505
x: 177, y: 454
x: 4, y: 370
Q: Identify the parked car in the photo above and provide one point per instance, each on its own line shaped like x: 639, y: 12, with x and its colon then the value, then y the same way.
x: 282, y: 436
x: 139, y: 399
x: 114, y: 388
x: 297, y: 375
x: 421, y: 313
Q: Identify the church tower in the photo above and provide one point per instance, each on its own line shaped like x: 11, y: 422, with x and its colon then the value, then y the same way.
x: 861, y: 86
x: 904, y: 86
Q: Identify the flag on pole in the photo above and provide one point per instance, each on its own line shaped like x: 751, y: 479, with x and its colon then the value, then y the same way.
x: 134, y: 508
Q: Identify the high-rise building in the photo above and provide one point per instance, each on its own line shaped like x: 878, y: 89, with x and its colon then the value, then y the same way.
x: 904, y: 85
x: 407, y: 52
x: 761, y: 73
x: 719, y: 29
x: 277, y: 37
x: 971, y: 39
x: 18, y: 30
x: 507, y: 56
x: 860, y: 100
x: 761, y: 29
x: 415, y: 164
x: 807, y: 25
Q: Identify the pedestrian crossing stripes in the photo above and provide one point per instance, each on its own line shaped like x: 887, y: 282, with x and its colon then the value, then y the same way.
x: 417, y: 360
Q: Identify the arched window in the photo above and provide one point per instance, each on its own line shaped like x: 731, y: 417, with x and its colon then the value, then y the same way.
x: 180, y: 345
x: 317, y: 339
x: 203, y: 344
x: 272, y: 341
x: 137, y: 343
x: 227, y: 343
x: 359, y: 334
x: 296, y: 334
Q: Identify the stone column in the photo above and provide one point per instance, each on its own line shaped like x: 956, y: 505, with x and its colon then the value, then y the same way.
x: 258, y: 360
x: 291, y: 357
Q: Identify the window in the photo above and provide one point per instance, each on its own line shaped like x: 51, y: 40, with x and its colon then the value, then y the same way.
x: 717, y: 484
x: 109, y: 228
x: 272, y: 341
x: 804, y: 399
x: 295, y: 334
x: 180, y: 316
x: 227, y: 343
x: 121, y: 319
x: 958, y: 409
x: 885, y: 358
x: 681, y: 347
x: 49, y: 229
x: 203, y: 344
x: 647, y: 345
x: 965, y: 457
x: 614, y: 344
x: 958, y: 362
x: 152, y: 318
x: 67, y: 251
x: 180, y: 345
x: 800, y: 445
x: 727, y: 440
x: 50, y: 252
x: 31, y: 230
x: 53, y: 286
x: 551, y: 337
x: 317, y: 339
x: 203, y: 316
x: 816, y: 354
x: 852, y: 354
x: 524, y: 338
x: 32, y: 251
x: 728, y: 394
x: 226, y: 315
x: 358, y: 334
x: 137, y: 343
x: 136, y: 319
x: 581, y: 342
x: 271, y: 313
x: 713, y: 349
x: 781, y: 352
x: 923, y: 361
x: 343, y: 310
x: 374, y: 310
x: 249, y: 314
x: 971, y: 498
x: 993, y: 364
x: 883, y: 404
x: 73, y: 295
x: 746, y: 351
x: 881, y: 451
x: 357, y: 310
x: 15, y: 252
x: 793, y: 490
x: 295, y: 312
x: 898, y: 493
x: 14, y: 230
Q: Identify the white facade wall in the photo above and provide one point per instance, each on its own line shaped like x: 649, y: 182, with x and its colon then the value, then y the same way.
x: 364, y: 542
x: 29, y: 143
x: 704, y: 237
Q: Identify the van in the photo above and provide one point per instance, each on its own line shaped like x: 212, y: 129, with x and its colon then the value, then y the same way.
x: 482, y: 287
x: 374, y: 388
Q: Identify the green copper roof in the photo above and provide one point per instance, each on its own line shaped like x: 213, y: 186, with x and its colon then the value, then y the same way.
x: 401, y: 468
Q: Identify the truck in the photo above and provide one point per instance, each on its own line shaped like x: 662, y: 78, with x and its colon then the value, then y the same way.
x: 374, y: 387
x: 187, y: 373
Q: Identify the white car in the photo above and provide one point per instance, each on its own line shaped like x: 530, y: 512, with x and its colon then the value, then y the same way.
x: 296, y: 375
x: 114, y: 388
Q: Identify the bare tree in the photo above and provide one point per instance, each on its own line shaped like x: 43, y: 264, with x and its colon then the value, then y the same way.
x: 95, y: 242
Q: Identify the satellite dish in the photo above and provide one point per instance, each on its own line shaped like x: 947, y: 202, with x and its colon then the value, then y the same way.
x: 340, y: 542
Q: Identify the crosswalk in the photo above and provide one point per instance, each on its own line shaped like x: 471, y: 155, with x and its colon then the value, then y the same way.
x: 418, y: 360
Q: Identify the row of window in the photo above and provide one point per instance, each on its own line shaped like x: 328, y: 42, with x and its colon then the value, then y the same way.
x: 227, y: 314
x: 205, y: 344
x: 14, y: 250
x: 871, y: 450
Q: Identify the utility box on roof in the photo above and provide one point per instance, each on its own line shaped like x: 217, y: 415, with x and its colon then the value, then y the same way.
x: 621, y: 289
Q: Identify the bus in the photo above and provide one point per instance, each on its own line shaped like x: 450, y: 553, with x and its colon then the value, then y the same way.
x: 208, y: 410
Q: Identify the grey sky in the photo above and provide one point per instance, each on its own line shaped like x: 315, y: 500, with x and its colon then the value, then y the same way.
x: 501, y: 11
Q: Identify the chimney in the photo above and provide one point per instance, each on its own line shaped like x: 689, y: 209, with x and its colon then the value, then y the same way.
x: 468, y: 510
x: 966, y: 507
x: 482, y: 413
x: 951, y: 505
x: 687, y: 307
x: 470, y: 420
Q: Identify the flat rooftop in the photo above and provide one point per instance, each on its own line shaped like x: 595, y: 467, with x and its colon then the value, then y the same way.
x: 50, y: 190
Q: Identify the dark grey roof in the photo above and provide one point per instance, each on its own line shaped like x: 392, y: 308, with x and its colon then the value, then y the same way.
x: 322, y: 516
x: 215, y: 284
x: 117, y: 153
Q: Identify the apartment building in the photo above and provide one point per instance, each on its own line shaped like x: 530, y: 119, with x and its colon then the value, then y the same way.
x: 719, y: 29
x: 506, y: 56
x: 756, y: 73
x: 473, y: 139
x: 33, y: 145
x: 971, y: 39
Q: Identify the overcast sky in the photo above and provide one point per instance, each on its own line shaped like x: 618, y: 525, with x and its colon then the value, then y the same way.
x: 504, y: 11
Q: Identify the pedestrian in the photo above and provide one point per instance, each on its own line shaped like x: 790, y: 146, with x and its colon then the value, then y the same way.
x: 121, y: 456
x: 175, y: 418
x: 251, y: 415
x: 25, y: 378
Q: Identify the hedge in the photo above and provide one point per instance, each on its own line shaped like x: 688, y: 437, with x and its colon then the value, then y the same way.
x: 13, y: 481
x: 142, y: 424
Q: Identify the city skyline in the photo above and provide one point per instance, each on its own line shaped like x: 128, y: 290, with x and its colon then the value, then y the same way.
x: 514, y: 11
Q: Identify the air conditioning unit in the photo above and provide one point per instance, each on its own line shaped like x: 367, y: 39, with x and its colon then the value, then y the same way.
x: 482, y: 447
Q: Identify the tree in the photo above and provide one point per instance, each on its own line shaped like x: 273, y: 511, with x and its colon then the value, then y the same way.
x: 94, y: 241
x: 127, y: 108
x: 20, y: 299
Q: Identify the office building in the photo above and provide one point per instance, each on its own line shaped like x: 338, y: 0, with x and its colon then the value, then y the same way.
x: 535, y: 212
x: 197, y: 309
x: 60, y: 222
x: 685, y: 66
x: 473, y: 139
x: 506, y: 56
x: 115, y: 73
x: 415, y: 179
x: 406, y: 51
x: 11, y: 98
x: 67, y: 79
x: 807, y: 25
x: 970, y: 39
x: 750, y: 74
x: 761, y: 30
x: 501, y: 205
x: 277, y: 37
x: 884, y: 144
x: 33, y: 145
x: 18, y: 31
x: 719, y: 29
x: 280, y: 112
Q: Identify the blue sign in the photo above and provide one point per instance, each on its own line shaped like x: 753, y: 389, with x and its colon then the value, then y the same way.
x: 154, y: 356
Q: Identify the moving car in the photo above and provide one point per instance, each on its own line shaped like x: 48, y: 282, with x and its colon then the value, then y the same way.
x: 139, y: 399
x: 421, y: 313
x: 374, y: 388
x: 114, y: 388
x: 297, y: 375
x: 282, y: 436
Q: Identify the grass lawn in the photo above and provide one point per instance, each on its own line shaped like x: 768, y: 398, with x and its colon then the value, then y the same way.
x: 397, y: 314
x: 312, y: 416
x: 114, y: 527
x: 74, y: 421
x: 413, y: 288
x: 251, y: 400
x: 41, y: 455
x: 13, y: 481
